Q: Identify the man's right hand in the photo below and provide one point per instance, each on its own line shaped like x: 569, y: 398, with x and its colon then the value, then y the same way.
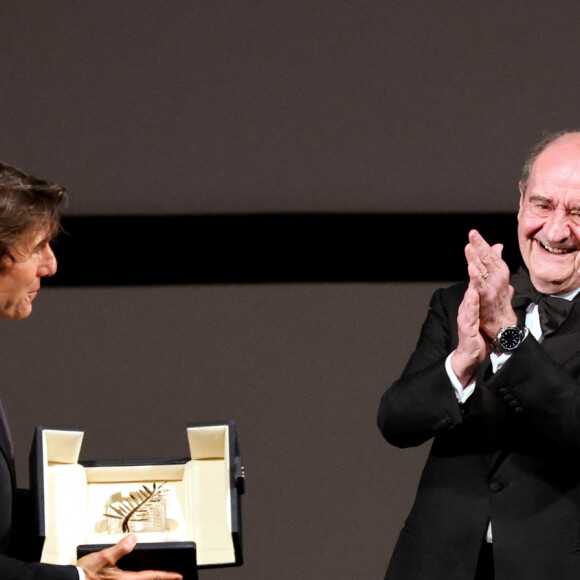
x: 472, y: 347
x: 103, y: 565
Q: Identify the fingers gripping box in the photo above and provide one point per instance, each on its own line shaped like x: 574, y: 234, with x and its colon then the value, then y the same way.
x: 186, y: 512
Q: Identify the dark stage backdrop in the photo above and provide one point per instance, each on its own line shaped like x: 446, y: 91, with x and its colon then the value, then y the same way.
x: 264, y: 196
x: 222, y: 106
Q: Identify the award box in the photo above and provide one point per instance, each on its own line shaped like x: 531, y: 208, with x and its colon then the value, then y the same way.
x: 201, y: 526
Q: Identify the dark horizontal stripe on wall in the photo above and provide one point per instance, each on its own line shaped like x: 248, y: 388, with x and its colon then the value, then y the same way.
x: 272, y: 248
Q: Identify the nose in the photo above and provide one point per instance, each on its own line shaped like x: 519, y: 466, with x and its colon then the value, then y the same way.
x: 47, y: 265
x: 557, y: 227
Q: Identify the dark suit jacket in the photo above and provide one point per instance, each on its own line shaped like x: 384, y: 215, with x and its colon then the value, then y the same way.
x: 10, y: 567
x: 510, y: 454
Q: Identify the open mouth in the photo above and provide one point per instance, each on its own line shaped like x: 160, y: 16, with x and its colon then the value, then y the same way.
x: 556, y: 250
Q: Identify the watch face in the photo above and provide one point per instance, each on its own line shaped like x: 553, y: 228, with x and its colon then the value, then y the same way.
x: 510, y: 338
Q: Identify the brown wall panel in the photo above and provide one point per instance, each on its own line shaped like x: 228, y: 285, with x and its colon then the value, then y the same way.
x: 300, y: 368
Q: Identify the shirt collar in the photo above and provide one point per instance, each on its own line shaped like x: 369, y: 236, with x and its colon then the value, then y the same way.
x: 568, y: 295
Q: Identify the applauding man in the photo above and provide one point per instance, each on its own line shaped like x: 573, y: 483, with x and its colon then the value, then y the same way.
x: 495, y: 382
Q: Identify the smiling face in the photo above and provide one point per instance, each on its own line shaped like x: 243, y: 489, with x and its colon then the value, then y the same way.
x: 549, y: 218
x: 20, y: 279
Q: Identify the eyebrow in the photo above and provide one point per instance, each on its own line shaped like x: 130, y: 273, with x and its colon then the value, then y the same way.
x: 538, y: 197
x: 542, y: 198
x: 45, y: 240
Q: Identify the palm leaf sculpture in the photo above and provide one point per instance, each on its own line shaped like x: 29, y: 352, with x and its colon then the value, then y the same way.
x: 138, y: 505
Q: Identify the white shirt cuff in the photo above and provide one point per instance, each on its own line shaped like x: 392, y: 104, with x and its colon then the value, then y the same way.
x: 81, y: 573
x: 461, y: 393
x: 498, y: 360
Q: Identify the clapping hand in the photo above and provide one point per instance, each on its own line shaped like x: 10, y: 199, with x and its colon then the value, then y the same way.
x: 486, y: 307
x: 489, y: 275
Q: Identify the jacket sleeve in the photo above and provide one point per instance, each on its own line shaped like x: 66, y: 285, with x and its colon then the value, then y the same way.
x: 12, y: 569
x: 542, y: 395
x: 422, y: 402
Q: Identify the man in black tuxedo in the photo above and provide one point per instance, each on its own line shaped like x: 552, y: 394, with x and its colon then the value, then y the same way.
x: 29, y: 219
x: 495, y: 382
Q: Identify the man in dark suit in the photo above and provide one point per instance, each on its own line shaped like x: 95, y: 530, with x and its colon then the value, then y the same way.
x: 495, y: 382
x: 29, y: 219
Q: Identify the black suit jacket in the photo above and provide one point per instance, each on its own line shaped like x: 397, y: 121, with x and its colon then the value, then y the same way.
x: 10, y: 567
x: 510, y: 454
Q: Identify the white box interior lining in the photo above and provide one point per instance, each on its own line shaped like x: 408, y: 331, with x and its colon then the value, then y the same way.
x: 198, y: 499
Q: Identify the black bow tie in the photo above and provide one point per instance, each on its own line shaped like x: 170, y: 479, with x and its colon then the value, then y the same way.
x: 553, y: 310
